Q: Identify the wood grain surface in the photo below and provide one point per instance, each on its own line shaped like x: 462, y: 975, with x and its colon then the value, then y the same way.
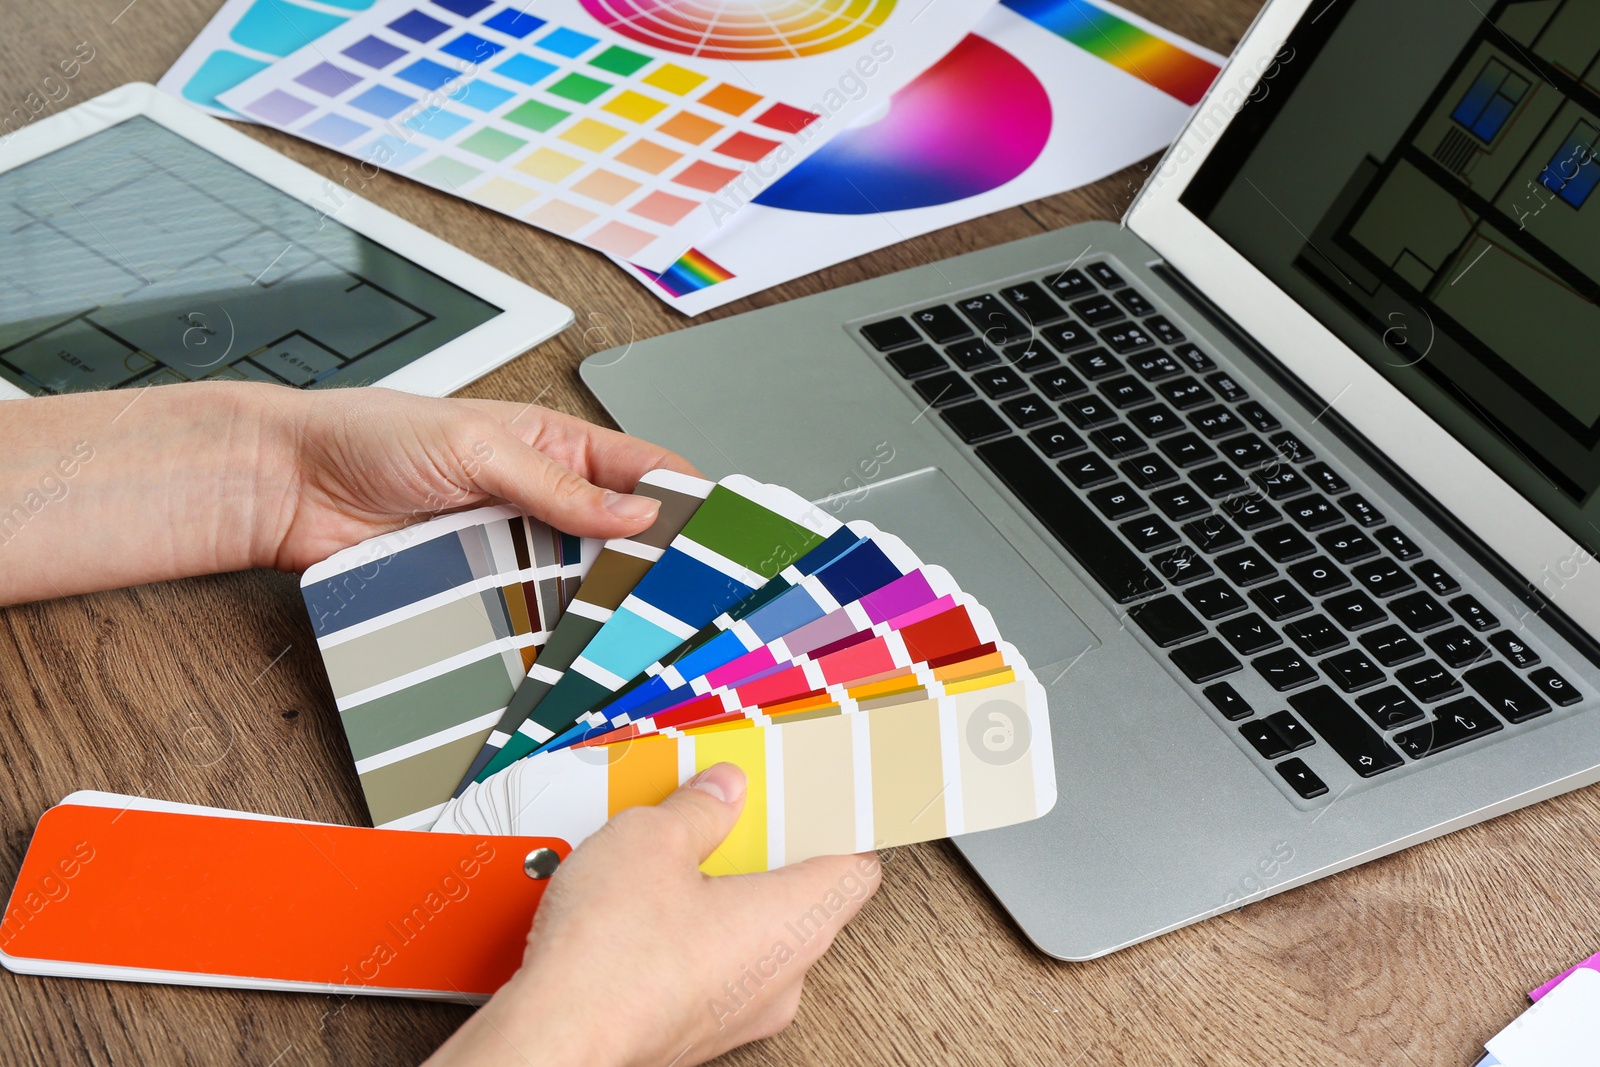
x: 209, y: 691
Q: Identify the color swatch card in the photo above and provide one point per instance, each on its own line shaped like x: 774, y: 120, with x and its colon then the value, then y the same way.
x: 1561, y: 1030
x: 426, y: 633
x: 1043, y: 96
x: 132, y: 889
x: 572, y: 118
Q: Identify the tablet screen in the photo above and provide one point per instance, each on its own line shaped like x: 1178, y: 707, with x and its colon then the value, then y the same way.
x: 136, y: 257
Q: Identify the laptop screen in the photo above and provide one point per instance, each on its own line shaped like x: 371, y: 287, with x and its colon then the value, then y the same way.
x: 1422, y: 177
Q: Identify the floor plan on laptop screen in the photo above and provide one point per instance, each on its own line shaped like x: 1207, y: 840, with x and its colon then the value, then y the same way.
x: 134, y: 257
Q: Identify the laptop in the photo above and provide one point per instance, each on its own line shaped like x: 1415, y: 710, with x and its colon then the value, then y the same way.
x: 1285, y: 485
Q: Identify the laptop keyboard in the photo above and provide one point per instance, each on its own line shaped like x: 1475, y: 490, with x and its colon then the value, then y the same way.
x: 1227, y: 540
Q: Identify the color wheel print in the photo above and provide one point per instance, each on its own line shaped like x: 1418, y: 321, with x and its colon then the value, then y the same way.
x: 970, y: 123
x: 742, y: 29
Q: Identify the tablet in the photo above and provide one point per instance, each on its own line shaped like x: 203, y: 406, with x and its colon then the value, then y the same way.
x: 146, y: 243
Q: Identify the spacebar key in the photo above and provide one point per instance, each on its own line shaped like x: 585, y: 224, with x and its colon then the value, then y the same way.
x: 1084, y: 533
x: 1346, y: 732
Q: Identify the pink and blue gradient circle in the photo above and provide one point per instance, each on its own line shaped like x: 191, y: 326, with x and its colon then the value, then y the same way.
x: 970, y: 123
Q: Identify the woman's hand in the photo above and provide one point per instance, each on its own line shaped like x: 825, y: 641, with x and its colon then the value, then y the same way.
x: 636, y: 958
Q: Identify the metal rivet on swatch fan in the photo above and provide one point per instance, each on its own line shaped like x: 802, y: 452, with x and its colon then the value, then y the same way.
x: 541, y: 863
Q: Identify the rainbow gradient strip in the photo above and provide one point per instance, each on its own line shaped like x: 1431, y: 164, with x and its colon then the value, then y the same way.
x: 693, y: 272
x: 1125, y: 46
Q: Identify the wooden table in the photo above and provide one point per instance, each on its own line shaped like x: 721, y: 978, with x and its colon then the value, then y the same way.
x: 209, y: 691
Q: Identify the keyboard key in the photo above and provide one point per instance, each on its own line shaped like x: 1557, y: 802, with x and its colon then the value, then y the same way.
x: 1291, y: 448
x: 1186, y: 449
x: 1354, y: 610
x: 1457, y: 647
x: 1391, y: 646
x: 1279, y: 481
x: 1316, y: 636
x: 1000, y: 382
x: 1284, y: 543
x: 1215, y: 600
x: 1126, y: 337
x: 1251, y: 512
x: 1556, y: 688
x: 1097, y: 310
x: 1420, y: 612
x: 1069, y: 284
x: 1457, y: 723
x: 1264, y: 739
x: 1288, y: 727
x: 1197, y: 360
x: 1514, y: 649
x: 1096, y: 363
x: 1216, y: 421
x: 995, y: 323
x: 1102, y: 273
x: 1165, y: 331
x: 1028, y: 411
x: 1473, y: 613
x: 1095, y: 546
x: 1365, y: 514
x: 1125, y: 391
x: 1428, y: 681
x: 1313, y: 513
x: 1219, y: 480
x: 1327, y: 479
x: 942, y: 324
x: 1352, y: 670
x: 1059, y: 384
x: 943, y: 389
x: 1030, y: 356
x: 975, y: 422
x: 1280, y: 601
x: 915, y: 362
x: 1136, y: 303
x: 1205, y: 661
x: 1154, y: 366
x: 1284, y: 669
x: 1226, y: 387
x: 1248, y: 451
x: 1397, y: 542
x: 1157, y: 420
x: 1506, y: 693
x: 1382, y: 578
x: 1179, y: 502
x: 1259, y: 417
x: 1250, y: 634
x: 1227, y: 700
x: 1149, y: 534
x: 1183, y: 565
x: 1088, y: 412
x: 1213, y: 534
x: 1067, y: 336
x: 1166, y: 621
x: 1087, y: 471
x: 972, y: 355
x: 1246, y: 567
x: 1117, y: 501
x: 1389, y: 707
x: 890, y: 333
x: 1149, y: 472
x: 1333, y: 720
x: 1184, y: 393
x: 1318, y: 576
x: 1302, y: 779
x: 1348, y: 545
x: 1031, y: 302
x: 1057, y: 441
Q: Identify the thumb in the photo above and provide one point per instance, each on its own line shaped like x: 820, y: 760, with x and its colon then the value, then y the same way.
x: 710, y: 803
x: 547, y: 490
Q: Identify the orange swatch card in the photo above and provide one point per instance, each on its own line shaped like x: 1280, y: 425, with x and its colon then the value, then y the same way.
x: 126, y: 888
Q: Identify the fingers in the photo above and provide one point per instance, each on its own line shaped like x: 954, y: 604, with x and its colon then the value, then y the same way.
x: 824, y: 893
x: 709, y: 803
x: 606, y: 457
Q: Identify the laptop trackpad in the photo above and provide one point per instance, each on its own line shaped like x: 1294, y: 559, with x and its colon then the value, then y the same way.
x: 942, y: 526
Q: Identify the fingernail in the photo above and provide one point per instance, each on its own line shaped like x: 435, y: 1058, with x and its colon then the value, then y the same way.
x: 630, y: 507
x: 722, y: 780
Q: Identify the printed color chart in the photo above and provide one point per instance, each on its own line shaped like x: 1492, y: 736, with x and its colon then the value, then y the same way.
x: 1107, y: 36
x: 743, y: 29
x: 594, y: 141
